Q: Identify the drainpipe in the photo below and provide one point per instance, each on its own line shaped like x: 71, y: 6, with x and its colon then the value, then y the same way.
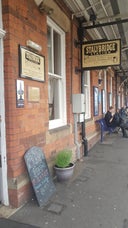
x: 83, y: 127
x: 75, y: 115
x: 78, y: 145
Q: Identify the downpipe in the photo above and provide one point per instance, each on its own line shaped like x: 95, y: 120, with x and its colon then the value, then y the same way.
x: 83, y: 127
x: 85, y: 145
x: 78, y: 145
x: 84, y: 140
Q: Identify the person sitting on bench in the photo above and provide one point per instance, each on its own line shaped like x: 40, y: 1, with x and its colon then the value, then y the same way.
x: 109, y: 118
x: 117, y: 117
x: 111, y: 121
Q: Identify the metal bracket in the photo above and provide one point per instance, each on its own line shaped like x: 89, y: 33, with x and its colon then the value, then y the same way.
x: 76, y: 43
x: 77, y: 70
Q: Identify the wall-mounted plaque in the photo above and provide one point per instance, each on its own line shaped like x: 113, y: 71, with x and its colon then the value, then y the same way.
x: 33, y: 94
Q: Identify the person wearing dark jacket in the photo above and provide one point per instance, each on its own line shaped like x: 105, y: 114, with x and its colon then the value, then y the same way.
x: 109, y: 118
x: 116, y: 120
x: 117, y: 117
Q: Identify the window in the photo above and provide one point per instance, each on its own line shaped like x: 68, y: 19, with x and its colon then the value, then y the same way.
x: 86, y: 75
x: 118, y: 102
x: 56, y: 74
x: 111, y: 91
x: 105, y: 89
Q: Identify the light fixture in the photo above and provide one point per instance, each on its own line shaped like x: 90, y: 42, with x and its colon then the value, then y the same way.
x: 45, y: 9
x: 100, y: 77
x: 34, y: 45
x: 99, y: 81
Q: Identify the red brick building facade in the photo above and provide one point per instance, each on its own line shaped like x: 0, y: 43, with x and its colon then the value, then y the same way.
x: 29, y: 125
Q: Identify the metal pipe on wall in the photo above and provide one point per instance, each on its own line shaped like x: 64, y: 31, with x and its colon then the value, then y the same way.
x: 81, y: 36
x: 83, y: 127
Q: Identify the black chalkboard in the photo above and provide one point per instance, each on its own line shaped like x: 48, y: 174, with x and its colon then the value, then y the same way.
x: 39, y: 174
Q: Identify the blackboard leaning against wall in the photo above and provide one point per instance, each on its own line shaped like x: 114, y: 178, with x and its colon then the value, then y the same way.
x: 39, y: 175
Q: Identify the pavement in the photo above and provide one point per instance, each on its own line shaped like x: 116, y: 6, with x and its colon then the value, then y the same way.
x: 95, y: 197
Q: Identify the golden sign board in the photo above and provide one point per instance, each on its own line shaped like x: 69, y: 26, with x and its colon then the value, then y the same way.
x: 101, y: 54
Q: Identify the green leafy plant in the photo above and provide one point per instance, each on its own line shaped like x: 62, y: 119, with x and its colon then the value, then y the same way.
x: 63, y: 158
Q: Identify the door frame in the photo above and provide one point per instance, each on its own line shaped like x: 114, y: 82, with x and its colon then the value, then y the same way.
x: 4, y: 184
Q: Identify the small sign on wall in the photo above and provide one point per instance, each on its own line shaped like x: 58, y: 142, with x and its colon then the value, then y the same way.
x: 33, y: 94
x: 19, y: 93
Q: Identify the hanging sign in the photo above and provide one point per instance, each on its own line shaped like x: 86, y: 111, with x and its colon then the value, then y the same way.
x: 101, y: 54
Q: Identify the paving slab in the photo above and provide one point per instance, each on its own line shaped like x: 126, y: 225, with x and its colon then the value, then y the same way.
x: 96, y: 196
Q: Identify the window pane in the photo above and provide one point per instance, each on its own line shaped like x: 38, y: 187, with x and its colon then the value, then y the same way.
x: 86, y: 92
x: 56, y: 73
x: 53, y: 93
x: 86, y: 75
x: 57, y: 53
x: 56, y: 100
x: 85, y: 79
x: 49, y: 50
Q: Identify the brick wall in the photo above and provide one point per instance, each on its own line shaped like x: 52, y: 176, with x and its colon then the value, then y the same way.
x: 28, y: 126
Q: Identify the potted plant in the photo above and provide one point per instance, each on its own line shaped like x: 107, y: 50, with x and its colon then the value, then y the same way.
x: 63, y: 166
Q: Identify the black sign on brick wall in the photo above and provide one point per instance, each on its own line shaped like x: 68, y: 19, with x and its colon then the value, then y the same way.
x: 39, y: 174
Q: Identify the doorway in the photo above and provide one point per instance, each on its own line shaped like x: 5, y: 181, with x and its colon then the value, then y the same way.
x: 0, y: 162
x: 3, y: 161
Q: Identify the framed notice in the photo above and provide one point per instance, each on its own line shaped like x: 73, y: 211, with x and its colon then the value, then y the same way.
x: 32, y: 65
x: 96, y: 100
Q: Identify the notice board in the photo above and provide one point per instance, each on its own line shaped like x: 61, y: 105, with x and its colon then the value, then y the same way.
x: 39, y: 175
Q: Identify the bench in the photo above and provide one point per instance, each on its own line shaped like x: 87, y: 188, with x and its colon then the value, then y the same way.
x: 104, y: 128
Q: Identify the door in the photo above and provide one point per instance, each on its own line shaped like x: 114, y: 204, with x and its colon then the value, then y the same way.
x: 0, y: 161
x: 3, y: 162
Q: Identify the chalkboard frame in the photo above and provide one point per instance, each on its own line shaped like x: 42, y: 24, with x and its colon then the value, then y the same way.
x: 39, y: 175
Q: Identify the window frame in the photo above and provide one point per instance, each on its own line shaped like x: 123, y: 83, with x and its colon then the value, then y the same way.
x: 87, y: 89
x: 62, y: 90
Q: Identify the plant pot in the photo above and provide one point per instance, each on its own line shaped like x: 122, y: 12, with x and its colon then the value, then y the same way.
x: 64, y: 174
